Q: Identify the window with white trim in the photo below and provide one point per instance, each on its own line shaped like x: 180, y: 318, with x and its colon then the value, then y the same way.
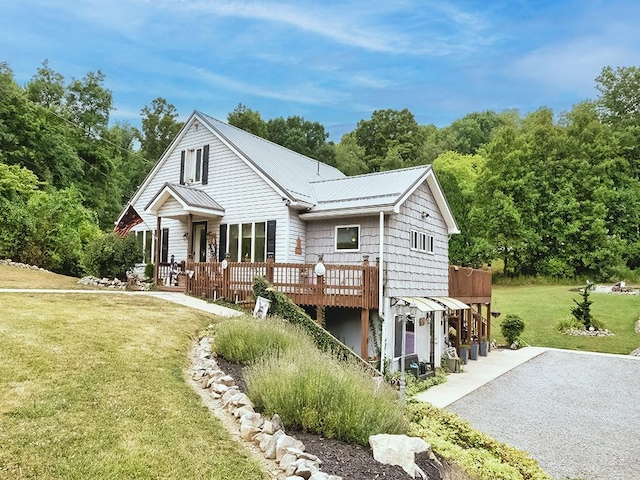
x: 348, y: 238
x: 421, y: 242
x: 193, y: 166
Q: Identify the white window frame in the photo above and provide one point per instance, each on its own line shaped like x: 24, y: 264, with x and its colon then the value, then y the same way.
x: 414, y: 239
x: 253, y: 240
x: 335, y: 243
x: 191, y: 172
x: 421, y: 242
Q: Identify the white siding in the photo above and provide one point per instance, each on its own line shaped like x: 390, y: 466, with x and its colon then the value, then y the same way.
x: 244, y: 195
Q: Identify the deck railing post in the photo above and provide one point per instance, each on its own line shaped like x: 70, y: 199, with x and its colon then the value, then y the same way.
x: 270, y: 265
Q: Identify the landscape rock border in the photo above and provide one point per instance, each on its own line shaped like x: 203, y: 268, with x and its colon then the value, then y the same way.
x: 282, y: 455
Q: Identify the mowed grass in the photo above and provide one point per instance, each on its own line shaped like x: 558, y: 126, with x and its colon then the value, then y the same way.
x: 543, y: 306
x: 14, y: 277
x: 92, y: 387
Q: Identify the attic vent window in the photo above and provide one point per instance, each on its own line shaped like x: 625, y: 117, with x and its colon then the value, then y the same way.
x: 348, y: 238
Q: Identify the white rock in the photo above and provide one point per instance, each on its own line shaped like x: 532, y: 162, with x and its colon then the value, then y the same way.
x: 270, y: 450
x: 267, y: 427
x: 220, y: 388
x: 241, y: 411
x: 248, y: 432
x: 227, y: 380
x: 285, y: 442
x: 398, y: 450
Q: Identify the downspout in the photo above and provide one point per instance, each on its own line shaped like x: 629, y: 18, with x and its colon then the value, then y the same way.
x: 288, y: 227
x: 380, y: 292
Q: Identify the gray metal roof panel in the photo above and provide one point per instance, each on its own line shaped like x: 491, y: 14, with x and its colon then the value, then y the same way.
x: 289, y: 170
x: 373, y: 189
x: 194, y: 197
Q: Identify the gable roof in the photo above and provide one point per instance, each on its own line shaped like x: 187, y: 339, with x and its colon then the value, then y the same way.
x: 290, y: 171
x: 375, y: 192
x: 191, y: 199
x: 307, y: 183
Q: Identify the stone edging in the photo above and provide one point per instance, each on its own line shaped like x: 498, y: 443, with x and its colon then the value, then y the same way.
x: 268, y: 435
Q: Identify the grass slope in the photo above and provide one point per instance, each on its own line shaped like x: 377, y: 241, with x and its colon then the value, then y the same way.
x: 543, y: 306
x: 14, y: 277
x: 92, y: 387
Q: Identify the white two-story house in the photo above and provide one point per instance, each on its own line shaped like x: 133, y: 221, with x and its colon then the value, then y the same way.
x: 222, y: 197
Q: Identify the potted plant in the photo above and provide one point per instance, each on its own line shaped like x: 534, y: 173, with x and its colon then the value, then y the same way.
x: 484, y: 347
x: 464, y: 353
x: 473, y: 351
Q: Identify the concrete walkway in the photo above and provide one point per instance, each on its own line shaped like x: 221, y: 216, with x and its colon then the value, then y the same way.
x: 476, y: 374
x: 173, y: 297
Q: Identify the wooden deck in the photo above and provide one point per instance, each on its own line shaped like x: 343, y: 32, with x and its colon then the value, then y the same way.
x: 350, y: 286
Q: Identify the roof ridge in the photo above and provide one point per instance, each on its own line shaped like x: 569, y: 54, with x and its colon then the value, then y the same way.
x: 261, y: 138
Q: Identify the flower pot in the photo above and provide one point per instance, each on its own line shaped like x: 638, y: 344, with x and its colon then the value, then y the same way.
x: 464, y: 355
x: 453, y: 365
x: 473, y: 351
x: 484, y: 348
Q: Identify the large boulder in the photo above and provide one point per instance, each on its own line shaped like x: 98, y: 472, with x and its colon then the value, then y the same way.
x: 398, y: 450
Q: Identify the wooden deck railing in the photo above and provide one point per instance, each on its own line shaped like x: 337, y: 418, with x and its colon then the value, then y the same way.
x: 470, y: 285
x: 352, y: 286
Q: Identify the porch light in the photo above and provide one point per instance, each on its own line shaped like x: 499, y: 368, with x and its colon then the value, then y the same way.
x: 320, y: 269
x: 185, y: 236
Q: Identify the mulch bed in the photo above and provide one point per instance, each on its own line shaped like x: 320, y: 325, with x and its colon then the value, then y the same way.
x: 351, y: 462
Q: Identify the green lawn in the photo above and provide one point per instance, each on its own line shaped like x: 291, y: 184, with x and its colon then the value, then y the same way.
x: 542, y: 307
x: 92, y: 387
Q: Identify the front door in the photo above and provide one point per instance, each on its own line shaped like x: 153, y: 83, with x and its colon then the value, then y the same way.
x: 200, y: 241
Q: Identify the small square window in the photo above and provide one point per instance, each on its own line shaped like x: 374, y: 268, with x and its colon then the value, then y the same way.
x: 348, y: 238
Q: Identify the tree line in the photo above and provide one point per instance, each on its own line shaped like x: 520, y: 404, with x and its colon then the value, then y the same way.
x: 548, y: 194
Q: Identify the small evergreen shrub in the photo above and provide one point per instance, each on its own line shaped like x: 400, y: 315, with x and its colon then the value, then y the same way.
x: 582, y: 310
x: 111, y: 256
x: 148, y: 270
x: 512, y: 326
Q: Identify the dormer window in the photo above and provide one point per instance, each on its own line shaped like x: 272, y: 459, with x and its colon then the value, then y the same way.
x: 194, y: 165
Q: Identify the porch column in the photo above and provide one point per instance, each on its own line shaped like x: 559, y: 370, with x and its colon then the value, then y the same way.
x: 489, y: 324
x: 364, y: 333
x: 156, y: 259
x: 189, y: 239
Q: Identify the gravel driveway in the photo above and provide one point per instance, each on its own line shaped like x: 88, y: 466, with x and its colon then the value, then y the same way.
x: 577, y: 413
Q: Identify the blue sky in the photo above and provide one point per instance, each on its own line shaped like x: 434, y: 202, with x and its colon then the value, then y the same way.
x: 329, y: 61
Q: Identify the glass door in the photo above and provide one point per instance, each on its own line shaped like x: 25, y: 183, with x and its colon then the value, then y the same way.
x: 200, y: 241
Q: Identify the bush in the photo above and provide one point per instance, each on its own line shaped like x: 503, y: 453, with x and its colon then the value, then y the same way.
x: 481, y: 457
x: 315, y: 392
x: 148, y: 270
x: 582, y: 310
x: 512, y: 326
x: 247, y: 340
x: 111, y: 256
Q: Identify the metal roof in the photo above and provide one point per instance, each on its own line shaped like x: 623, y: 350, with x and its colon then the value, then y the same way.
x: 290, y: 171
x: 451, y: 303
x: 189, y: 197
x: 373, y: 189
x: 424, y: 304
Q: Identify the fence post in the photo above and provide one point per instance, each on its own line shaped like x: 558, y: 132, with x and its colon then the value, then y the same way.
x: 270, y: 265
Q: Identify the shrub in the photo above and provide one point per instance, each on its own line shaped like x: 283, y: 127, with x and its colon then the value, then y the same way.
x: 582, y: 310
x: 246, y: 340
x: 482, y: 457
x: 111, y: 256
x: 315, y: 392
x: 148, y: 270
x: 512, y: 326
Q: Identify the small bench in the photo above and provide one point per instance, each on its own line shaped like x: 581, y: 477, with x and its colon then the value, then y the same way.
x: 420, y: 370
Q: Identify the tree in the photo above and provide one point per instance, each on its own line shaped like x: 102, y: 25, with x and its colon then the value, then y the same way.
x: 47, y: 87
x: 160, y: 125
x: 350, y: 156
x: 389, y: 130
x: 619, y: 100
x: 248, y: 120
x: 302, y: 136
x: 458, y: 176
